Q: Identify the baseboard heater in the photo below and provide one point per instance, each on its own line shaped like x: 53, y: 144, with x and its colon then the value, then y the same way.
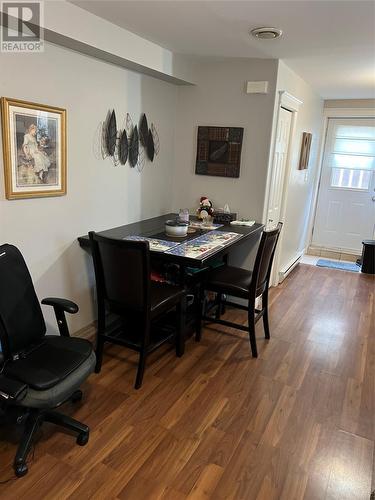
x: 283, y: 273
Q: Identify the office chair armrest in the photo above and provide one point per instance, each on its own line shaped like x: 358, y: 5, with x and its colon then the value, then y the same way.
x: 11, y: 389
x: 61, y: 306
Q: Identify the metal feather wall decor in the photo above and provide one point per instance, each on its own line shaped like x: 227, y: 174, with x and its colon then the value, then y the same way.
x: 143, y: 130
x: 123, y: 147
x: 129, y: 125
x: 134, y: 147
x: 130, y: 143
x: 111, y: 133
x: 155, y: 137
x: 141, y: 158
x: 150, y: 146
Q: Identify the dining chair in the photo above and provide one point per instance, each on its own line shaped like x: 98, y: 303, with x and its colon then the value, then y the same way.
x: 125, y: 290
x: 243, y: 284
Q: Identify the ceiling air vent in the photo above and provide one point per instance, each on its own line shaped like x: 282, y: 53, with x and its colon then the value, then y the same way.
x: 266, y: 33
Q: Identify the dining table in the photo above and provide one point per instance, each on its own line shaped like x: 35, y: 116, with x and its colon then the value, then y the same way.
x: 201, y: 248
x: 202, y: 245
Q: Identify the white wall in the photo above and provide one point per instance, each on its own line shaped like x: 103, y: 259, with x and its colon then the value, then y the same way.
x: 99, y: 195
x: 301, y: 182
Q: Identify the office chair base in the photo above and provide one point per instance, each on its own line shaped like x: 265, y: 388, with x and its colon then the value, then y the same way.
x: 21, y: 470
x: 77, y: 396
x: 34, y: 420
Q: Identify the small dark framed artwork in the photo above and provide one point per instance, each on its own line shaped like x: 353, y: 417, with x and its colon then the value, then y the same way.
x: 219, y: 151
x: 305, y: 151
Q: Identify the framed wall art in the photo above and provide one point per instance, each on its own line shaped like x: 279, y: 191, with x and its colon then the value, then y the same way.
x: 219, y: 151
x: 34, y: 149
x: 305, y: 151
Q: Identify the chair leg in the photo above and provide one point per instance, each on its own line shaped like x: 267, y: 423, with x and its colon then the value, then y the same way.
x: 99, y: 354
x: 32, y: 424
x: 65, y: 421
x: 223, y: 306
x: 141, y: 369
x: 181, y: 320
x: 199, y: 313
x: 251, y: 323
x: 219, y: 305
x: 265, y: 314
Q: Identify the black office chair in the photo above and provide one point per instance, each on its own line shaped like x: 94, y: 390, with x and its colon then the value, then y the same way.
x: 38, y: 372
x: 244, y: 284
x: 125, y: 290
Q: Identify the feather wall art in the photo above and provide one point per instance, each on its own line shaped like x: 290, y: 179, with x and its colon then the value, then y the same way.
x: 111, y: 134
x: 143, y: 131
x: 150, y: 146
x: 155, y: 137
x: 130, y: 143
x: 123, y: 147
x: 134, y: 147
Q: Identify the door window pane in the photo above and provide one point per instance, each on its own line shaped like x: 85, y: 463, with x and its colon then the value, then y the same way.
x: 357, y: 146
x: 350, y: 178
x: 352, y: 161
x: 355, y: 131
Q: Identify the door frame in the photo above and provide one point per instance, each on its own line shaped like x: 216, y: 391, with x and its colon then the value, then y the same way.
x: 292, y: 104
x: 327, y: 114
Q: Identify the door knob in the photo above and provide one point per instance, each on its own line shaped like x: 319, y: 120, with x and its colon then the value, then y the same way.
x: 373, y: 198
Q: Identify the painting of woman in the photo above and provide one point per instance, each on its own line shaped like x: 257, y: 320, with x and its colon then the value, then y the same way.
x: 34, y: 152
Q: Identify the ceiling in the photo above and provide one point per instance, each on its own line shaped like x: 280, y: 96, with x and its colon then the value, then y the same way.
x: 329, y: 43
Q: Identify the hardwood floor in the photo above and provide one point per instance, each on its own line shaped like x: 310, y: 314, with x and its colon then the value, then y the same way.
x: 296, y: 423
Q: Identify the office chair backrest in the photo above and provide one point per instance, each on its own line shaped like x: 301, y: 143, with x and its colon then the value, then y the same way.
x: 264, y: 259
x: 21, y: 319
x: 122, y: 272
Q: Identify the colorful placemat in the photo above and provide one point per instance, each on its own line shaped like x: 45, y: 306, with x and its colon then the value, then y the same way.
x: 203, y: 226
x: 156, y: 245
x: 204, y: 245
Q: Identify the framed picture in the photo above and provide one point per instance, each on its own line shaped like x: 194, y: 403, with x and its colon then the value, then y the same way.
x: 219, y: 151
x: 34, y: 149
x: 305, y: 151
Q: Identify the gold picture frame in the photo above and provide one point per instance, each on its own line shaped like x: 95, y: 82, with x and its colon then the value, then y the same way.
x: 34, y: 149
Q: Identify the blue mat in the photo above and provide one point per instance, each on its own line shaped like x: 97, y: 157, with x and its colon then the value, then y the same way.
x: 344, y: 266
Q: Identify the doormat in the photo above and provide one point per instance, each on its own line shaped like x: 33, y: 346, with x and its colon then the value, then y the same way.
x: 343, y: 266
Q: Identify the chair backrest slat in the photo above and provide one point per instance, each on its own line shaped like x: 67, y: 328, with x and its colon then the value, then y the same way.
x: 264, y: 259
x: 21, y: 318
x: 122, y: 271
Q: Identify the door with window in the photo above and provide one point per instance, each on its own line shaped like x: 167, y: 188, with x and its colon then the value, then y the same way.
x: 345, y: 212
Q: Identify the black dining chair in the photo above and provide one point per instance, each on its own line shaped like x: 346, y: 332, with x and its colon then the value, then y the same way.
x: 244, y: 284
x: 38, y: 372
x: 126, y: 292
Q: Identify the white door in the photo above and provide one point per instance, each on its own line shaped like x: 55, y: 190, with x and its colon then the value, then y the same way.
x: 279, y: 164
x: 345, y: 212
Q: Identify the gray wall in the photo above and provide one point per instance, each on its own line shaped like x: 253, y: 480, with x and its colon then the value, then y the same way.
x: 99, y: 195
x: 220, y: 99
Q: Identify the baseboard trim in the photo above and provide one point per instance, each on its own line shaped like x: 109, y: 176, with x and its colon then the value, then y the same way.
x: 283, y: 273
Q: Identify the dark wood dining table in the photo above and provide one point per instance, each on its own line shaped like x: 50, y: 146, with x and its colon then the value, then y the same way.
x: 155, y: 228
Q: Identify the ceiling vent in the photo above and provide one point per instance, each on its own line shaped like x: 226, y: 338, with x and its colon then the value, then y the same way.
x: 266, y: 33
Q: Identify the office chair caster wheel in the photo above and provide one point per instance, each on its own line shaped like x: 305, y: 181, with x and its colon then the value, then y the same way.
x: 21, y: 470
x: 83, y: 438
x: 77, y: 396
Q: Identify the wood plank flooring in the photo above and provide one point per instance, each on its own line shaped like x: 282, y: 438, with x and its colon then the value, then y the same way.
x: 296, y: 423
